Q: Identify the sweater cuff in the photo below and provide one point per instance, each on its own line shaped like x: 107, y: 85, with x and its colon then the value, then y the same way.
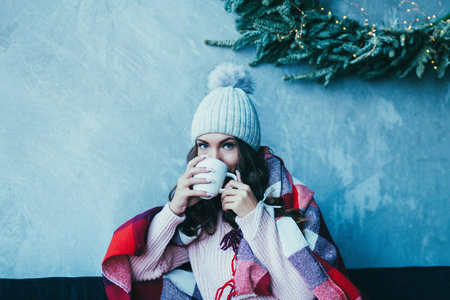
x: 167, y: 219
x: 250, y: 223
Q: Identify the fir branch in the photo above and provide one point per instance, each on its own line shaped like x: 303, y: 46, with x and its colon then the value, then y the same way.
x: 226, y: 43
x: 421, y: 60
x: 248, y: 38
x: 443, y: 62
x: 292, y: 31
x: 311, y: 75
x: 292, y: 58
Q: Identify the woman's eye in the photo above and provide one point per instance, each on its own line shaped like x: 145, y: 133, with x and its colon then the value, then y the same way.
x: 228, y: 146
x: 202, y: 146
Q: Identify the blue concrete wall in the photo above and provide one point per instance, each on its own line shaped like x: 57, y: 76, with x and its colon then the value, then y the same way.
x: 96, y: 100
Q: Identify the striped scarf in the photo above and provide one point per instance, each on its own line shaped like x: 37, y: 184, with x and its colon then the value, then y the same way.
x: 313, y: 253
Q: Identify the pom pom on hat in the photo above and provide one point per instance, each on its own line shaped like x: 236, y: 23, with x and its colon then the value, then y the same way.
x: 229, y: 74
x: 227, y: 108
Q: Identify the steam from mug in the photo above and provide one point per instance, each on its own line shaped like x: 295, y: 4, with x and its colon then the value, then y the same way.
x: 218, y: 174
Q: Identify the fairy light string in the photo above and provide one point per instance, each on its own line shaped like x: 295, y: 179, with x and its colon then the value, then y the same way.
x: 298, y: 31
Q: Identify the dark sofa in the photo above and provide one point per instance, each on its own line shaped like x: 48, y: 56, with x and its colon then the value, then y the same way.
x: 376, y: 283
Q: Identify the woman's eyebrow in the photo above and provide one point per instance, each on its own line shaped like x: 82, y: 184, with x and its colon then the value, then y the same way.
x: 202, y: 141
x: 227, y: 140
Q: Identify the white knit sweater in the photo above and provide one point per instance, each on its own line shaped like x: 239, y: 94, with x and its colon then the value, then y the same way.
x: 211, y: 265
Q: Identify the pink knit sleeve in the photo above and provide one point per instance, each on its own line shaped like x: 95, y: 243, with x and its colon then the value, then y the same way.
x: 286, y: 282
x: 159, y: 257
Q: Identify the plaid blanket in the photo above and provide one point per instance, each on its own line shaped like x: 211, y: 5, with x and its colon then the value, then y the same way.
x: 313, y: 253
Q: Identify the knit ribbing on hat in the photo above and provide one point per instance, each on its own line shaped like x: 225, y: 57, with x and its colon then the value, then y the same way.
x: 227, y: 108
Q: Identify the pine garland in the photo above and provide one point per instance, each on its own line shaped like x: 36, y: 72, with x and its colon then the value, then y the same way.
x: 293, y: 31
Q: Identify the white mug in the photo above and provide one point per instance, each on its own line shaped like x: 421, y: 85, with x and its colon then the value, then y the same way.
x: 218, y: 174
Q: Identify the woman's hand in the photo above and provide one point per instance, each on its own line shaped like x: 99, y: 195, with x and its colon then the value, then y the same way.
x: 185, y: 196
x: 238, y: 197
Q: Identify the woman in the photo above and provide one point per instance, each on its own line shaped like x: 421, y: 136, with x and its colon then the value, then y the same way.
x: 235, y: 244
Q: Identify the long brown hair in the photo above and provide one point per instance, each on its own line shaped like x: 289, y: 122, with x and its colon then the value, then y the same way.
x: 254, y: 172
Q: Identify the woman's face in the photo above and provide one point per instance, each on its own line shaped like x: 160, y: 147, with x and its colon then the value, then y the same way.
x: 220, y: 146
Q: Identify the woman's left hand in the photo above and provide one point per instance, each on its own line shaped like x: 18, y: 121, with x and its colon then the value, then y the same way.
x: 238, y: 197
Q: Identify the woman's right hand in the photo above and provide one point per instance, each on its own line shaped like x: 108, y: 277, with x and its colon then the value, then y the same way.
x: 185, y: 196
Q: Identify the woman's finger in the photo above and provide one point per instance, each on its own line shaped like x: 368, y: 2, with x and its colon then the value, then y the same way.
x: 197, y: 170
x: 228, y: 203
x: 230, y: 192
x: 233, y: 184
x: 239, y: 203
x: 198, y: 193
x: 238, y: 176
x: 227, y: 207
x: 195, y: 161
x: 198, y: 180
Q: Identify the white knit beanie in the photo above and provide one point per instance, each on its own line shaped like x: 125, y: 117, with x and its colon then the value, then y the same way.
x: 227, y: 108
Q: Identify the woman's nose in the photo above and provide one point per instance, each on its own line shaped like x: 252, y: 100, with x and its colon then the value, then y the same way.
x: 214, y: 153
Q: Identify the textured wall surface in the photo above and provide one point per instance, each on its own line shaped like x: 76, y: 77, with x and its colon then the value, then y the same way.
x: 96, y: 100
